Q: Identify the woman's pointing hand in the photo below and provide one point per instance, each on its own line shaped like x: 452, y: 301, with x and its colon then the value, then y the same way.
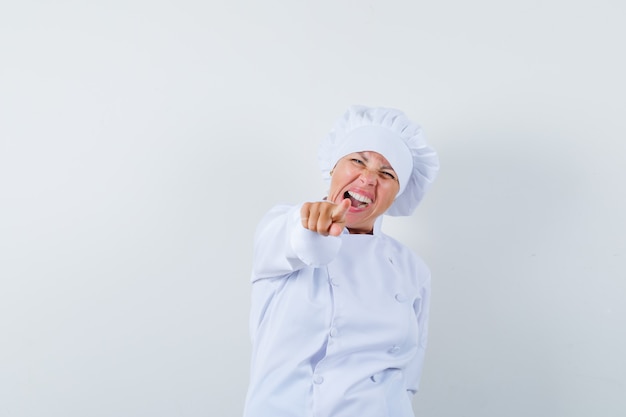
x: 324, y: 217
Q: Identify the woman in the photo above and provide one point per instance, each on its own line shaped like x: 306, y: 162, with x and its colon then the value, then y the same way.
x: 339, y: 309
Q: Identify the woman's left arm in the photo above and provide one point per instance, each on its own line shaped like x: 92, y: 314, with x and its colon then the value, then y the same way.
x: 421, y: 306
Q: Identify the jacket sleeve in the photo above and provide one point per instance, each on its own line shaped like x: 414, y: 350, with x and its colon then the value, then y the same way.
x: 282, y: 245
x: 422, y: 309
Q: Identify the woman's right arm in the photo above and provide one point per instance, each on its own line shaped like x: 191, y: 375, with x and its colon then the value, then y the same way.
x: 283, y: 245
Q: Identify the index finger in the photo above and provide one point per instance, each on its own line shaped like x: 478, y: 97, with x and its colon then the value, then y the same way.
x: 340, y: 210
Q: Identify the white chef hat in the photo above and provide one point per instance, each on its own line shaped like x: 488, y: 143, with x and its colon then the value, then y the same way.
x: 390, y: 133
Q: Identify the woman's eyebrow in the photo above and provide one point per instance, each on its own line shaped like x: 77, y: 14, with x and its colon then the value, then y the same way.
x: 363, y: 157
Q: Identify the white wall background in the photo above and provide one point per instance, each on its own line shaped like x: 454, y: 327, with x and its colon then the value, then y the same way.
x: 141, y: 142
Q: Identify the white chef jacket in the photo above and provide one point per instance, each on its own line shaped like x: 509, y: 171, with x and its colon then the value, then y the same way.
x: 338, y: 324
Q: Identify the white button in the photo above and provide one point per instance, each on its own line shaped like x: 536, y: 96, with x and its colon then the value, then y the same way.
x: 334, y: 282
x: 400, y: 298
x: 317, y: 379
x: 394, y: 349
x: 333, y: 332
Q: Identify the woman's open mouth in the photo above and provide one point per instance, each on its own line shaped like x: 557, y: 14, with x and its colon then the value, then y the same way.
x: 357, y: 200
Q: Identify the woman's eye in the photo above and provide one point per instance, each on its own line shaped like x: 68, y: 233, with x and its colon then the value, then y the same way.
x: 357, y: 161
x: 389, y: 175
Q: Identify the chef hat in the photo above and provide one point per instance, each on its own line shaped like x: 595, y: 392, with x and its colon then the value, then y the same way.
x: 390, y: 133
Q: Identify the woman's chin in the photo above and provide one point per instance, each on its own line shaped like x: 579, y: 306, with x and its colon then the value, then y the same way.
x: 356, y: 222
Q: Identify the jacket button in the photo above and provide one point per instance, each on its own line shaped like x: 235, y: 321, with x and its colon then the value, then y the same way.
x: 394, y: 349
x: 318, y: 379
x: 333, y: 332
x: 400, y: 298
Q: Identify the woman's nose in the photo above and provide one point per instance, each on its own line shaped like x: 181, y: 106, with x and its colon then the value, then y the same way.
x: 368, y: 177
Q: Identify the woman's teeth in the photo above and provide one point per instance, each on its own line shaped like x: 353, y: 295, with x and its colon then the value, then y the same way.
x: 360, y: 198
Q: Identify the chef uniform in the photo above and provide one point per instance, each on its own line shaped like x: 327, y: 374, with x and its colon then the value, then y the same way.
x: 339, y: 324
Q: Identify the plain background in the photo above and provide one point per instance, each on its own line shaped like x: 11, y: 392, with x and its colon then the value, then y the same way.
x: 142, y: 141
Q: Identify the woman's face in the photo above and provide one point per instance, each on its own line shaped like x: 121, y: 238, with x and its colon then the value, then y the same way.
x: 371, y: 184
